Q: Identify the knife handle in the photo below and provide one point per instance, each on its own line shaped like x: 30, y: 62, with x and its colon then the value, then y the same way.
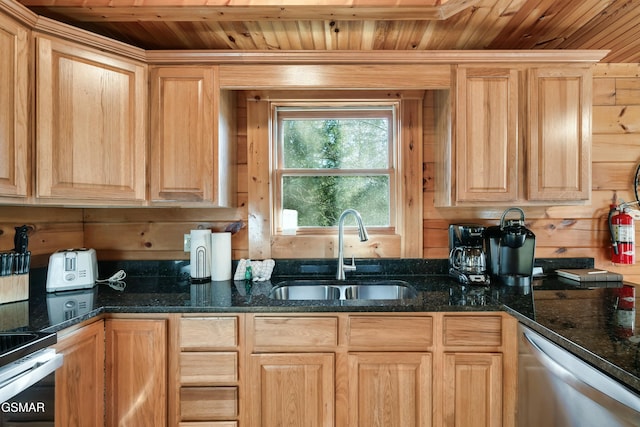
x: 21, y: 239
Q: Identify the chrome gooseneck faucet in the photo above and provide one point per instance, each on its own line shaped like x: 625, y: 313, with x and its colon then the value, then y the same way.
x: 362, y: 232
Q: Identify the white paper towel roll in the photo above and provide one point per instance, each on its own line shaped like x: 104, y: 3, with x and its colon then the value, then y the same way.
x: 220, y: 256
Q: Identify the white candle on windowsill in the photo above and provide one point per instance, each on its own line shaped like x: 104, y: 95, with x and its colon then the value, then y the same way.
x: 289, y: 222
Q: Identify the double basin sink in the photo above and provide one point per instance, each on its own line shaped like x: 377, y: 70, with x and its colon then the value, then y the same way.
x: 327, y: 290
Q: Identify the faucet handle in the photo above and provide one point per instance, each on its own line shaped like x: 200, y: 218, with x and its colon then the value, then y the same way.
x: 352, y: 266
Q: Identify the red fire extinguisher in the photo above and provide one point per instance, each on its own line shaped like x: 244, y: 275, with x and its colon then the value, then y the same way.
x: 622, y: 229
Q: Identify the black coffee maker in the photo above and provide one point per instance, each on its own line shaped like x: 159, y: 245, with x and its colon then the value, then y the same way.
x: 467, y: 261
x: 510, y: 249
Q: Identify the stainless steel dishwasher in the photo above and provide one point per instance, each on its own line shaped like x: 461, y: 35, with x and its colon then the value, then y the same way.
x: 27, y: 379
x: 556, y: 388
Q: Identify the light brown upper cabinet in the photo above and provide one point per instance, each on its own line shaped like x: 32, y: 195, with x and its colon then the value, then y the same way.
x: 516, y: 134
x: 90, y: 125
x: 559, y: 138
x: 486, y: 134
x: 14, y: 110
x: 191, y: 137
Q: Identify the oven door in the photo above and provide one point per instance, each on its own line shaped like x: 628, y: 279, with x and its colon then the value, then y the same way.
x: 27, y: 390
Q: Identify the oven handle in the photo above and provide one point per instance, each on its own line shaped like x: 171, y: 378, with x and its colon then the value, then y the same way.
x: 44, y: 365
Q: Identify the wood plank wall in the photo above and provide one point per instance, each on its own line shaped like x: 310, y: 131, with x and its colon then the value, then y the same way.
x: 51, y: 229
x: 561, y: 231
x: 616, y: 152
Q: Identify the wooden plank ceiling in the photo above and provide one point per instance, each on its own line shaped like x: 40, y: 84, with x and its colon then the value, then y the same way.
x: 359, y: 24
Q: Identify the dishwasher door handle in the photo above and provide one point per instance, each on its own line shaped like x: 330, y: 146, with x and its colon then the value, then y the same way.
x: 26, y: 379
x: 616, y: 399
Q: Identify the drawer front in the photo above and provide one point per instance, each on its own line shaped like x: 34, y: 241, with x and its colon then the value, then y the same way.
x: 408, y: 333
x: 208, y: 333
x: 295, y: 333
x: 206, y: 368
x: 475, y: 331
x: 209, y: 424
x: 206, y: 403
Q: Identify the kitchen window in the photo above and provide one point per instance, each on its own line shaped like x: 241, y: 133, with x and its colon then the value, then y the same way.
x: 385, y: 170
x: 329, y: 157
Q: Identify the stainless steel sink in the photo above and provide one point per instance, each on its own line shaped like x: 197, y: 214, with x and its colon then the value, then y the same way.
x: 305, y: 292
x: 293, y: 290
x: 383, y: 291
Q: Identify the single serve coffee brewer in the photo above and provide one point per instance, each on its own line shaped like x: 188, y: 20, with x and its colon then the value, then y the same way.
x: 510, y: 249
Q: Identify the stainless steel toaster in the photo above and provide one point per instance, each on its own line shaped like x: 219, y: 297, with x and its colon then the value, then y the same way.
x: 72, y: 269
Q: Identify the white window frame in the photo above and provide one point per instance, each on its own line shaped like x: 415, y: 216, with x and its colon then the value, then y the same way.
x: 333, y: 109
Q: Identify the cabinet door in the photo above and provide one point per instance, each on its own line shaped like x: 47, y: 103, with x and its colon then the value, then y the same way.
x: 90, y: 124
x: 15, y: 170
x: 486, y: 135
x: 80, y: 380
x: 389, y: 389
x: 559, y: 146
x: 183, y: 123
x: 291, y: 389
x: 136, y: 370
x: 472, y: 389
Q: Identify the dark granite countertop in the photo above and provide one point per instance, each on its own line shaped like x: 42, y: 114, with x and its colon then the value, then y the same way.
x: 586, y: 321
x: 167, y: 289
x: 589, y: 320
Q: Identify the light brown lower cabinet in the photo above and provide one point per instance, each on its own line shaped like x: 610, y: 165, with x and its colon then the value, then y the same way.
x: 381, y: 370
x: 472, y: 389
x: 291, y: 369
x: 208, y: 370
x: 206, y: 403
x: 80, y: 380
x: 340, y: 370
x: 292, y: 389
x: 475, y: 372
x: 390, y: 389
x: 136, y: 372
x: 209, y: 424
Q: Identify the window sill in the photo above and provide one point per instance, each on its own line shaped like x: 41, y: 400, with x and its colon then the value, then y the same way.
x: 379, y: 245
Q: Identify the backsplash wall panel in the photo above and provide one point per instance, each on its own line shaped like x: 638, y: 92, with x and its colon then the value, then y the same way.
x: 51, y: 229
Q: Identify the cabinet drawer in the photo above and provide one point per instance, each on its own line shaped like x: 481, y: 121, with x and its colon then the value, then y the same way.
x: 204, y: 333
x: 410, y: 333
x: 298, y: 333
x: 206, y: 403
x: 204, y: 368
x: 462, y: 331
x: 209, y: 424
